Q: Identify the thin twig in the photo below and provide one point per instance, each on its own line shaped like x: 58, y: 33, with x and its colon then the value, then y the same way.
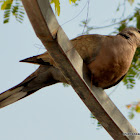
x: 112, y: 24
x: 113, y: 90
x: 86, y: 17
x: 76, y: 15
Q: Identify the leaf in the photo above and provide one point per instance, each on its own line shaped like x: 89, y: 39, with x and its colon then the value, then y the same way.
x: 131, y: 1
x: 6, y: 21
x: 122, y: 26
x: 138, y: 21
x: 73, y: 1
x: 6, y: 4
x: 18, y: 11
x: 66, y: 85
x: 133, y: 107
x: 15, y: 7
x: 118, y: 8
x: 128, y: 106
x: 137, y: 109
x: 99, y: 126
x: 131, y: 115
x: 57, y: 6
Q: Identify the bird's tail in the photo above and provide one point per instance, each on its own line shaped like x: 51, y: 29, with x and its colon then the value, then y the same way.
x: 45, y: 75
x: 16, y: 93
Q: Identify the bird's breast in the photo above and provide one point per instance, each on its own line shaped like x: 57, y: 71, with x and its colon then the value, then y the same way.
x: 110, y: 66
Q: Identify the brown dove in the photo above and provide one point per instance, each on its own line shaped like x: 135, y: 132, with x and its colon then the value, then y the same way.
x: 108, y: 59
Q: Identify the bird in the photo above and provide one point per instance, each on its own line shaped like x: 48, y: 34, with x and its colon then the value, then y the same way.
x: 107, y: 57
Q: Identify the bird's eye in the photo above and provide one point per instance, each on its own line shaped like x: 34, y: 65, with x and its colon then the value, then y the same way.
x: 139, y: 31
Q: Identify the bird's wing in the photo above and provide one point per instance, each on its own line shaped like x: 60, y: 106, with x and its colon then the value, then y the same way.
x: 43, y: 59
x: 88, y: 46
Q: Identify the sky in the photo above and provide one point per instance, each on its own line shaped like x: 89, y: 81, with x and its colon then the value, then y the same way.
x: 55, y: 112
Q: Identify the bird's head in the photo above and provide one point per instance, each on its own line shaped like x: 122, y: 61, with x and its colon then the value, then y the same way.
x: 132, y: 34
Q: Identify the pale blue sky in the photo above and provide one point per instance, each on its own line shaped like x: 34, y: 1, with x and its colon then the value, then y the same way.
x: 55, y: 112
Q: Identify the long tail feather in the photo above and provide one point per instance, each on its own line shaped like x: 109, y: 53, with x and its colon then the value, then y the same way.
x: 45, y: 75
x: 11, y: 96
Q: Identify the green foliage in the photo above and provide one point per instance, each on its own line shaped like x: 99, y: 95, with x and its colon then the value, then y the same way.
x: 15, y: 8
x: 12, y: 7
x: 131, y: 1
x: 131, y: 115
x: 72, y: 1
x: 66, y: 85
x: 133, y: 107
x: 18, y: 11
x: 99, y: 126
x: 6, y: 6
x: 85, y: 26
x: 57, y: 5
